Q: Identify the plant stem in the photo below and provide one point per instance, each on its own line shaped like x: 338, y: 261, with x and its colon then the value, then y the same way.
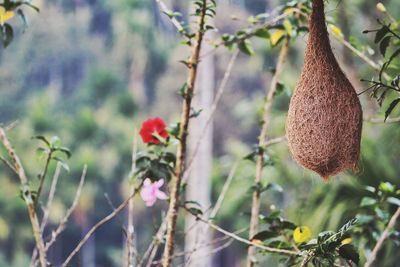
x: 27, y: 196
x: 183, y: 132
x: 98, y: 225
x: 255, y: 208
x: 42, y: 177
x: 384, y: 236
x: 130, y: 229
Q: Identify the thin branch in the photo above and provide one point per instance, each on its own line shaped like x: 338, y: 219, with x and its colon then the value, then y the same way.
x: 306, y: 260
x: 46, y: 210
x: 98, y: 225
x: 183, y: 133
x: 154, y: 243
x: 173, y: 20
x: 224, y: 190
x: 380, y: 120
x: 244, y: 240
x: 218, y: 96
x: 27, y: 196
x: 64, y: 221
x: 255, y: 207
x: 382, y: 239
x: 8, y: 164
x: 42, y: 176
x: 130, y: 229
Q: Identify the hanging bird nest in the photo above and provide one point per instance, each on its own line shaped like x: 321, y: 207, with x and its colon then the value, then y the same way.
x: 325, y: 116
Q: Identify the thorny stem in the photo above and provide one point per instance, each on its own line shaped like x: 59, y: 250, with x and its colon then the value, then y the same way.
x: 183, y: 132
x: 27, y: 196
x: 255, y: 207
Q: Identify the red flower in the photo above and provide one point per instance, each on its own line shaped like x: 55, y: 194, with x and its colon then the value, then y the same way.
x: 153, y: 130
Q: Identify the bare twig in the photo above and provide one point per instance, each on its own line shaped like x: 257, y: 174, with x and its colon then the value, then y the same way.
x: 98, y: 225
x: 214, y: 106
x: 244, y: 240
x: 46, y: 210
x: 224, y: 190
x: 255, y: 207
x: 8, y: 164
x: 380, y: 120
x: 27, y: 196
x: 382, y: 239
x: 65, y: 219
x: 152, y: 248
x: 306, y: 260
x: 130, y: 229
x: 183, y: 133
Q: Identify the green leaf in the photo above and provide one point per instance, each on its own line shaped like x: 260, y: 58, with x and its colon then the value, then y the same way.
x: 42, y: 152
x: 62, y: 163
x: 387, y: 187
x: 195, y: 211
x: 393, y: 200
x: 246, y: 47
x: 263, y: 235
x: 262, y: 33
x: 381, y: 33
x: 349, y: 252
x: 367, y: 201
x: 384, y: 45
x: 43, y: 139
x: 23, y: 18
x: 55, y: 141
x: 391, y: 107
x: 7, y: 34
x: 64, y: 150
x: 272, y: 186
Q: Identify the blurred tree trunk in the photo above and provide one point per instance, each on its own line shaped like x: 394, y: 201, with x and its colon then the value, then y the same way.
x: 199, y: 183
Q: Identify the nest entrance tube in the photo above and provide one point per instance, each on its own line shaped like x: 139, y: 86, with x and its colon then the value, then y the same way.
x: 324, y: 121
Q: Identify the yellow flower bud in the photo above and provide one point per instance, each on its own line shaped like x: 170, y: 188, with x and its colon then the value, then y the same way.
x: 381, y: 7
x: 301, y: 234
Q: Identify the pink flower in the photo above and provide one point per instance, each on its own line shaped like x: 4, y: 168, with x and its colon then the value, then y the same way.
x: 151, y: 191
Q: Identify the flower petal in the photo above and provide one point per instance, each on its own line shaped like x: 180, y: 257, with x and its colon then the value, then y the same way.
x: 161, y: 195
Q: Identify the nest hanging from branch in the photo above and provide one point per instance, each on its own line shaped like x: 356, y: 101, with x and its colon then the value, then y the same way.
x: 325, y: 116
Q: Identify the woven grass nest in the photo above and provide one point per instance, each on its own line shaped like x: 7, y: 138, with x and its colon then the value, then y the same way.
x: 325, y: 116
